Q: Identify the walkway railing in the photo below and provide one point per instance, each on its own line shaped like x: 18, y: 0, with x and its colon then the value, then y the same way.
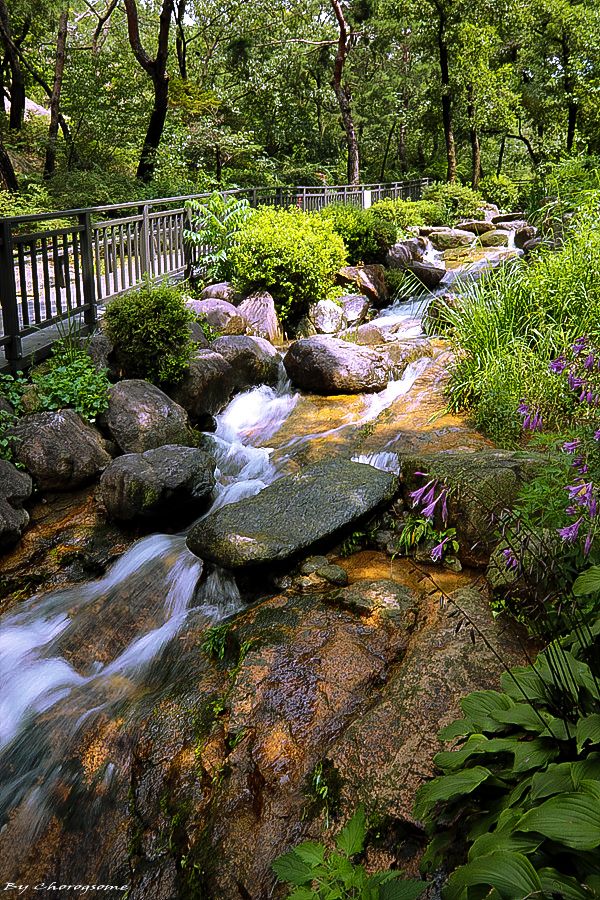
x: 54, y: 266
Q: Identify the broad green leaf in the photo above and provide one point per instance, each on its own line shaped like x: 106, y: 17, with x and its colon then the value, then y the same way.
x: 302, y: 893
x: 505, y: 840
x: 555, y: 780
x: 447, y: 787
x: 451, y: 760
x: 524, y: 683
x: 569, y: 819
x: 586, y: 769
x: 458, y: 728
x: 311, y: 852
x: 555, y: 884
x: 402, y: 890
x: 291, y: 868
x: 510, y: 873
x: 588, y: 729
x: 480, y: 707
x: 588, y: 582
x: 351, y: 838
x: 533, y: 755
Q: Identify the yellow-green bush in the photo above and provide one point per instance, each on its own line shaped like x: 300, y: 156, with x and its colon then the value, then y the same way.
x: 292, y: 255
x: 366, y: 235
x: 403, y: 214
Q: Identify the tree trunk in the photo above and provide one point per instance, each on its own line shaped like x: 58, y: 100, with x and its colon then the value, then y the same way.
x: 59, y: 69
x: 157, y: 70
x: 180, y: 41
x: 446, y: 97
x: 386, y: 152
x: 571, y: 123
x: 7, y: 173
x: 501, y: 156
x: 17, y: 79
x: 343, y: 95
x: 474, y: 139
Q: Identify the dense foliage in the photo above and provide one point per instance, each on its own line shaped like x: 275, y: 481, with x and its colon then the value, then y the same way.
x: 366, y: 235
x: 293, y: 256
x: 150, y: 330
x: 212, y: 229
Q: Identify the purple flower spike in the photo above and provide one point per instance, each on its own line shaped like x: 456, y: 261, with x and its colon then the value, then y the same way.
x: 597, y: 435
x: 571, y: 446
x: 570, y: 532
x: 438, y: 551
x: 510, y: 559
x: 418, y: 494
x: 558, y: 365
x: 579, y: 345
x: 429, y: 510
x: 589, y: 361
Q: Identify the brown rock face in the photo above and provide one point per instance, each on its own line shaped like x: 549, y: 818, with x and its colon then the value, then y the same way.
x: 141, y: 417
x: 207, y: 387
x: 327, y: 365
x: 370, y: 281
x: 59, y: 449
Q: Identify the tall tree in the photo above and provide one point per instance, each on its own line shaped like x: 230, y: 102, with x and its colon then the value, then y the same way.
x: 156, y: 68
x: 342, y: 92
x: 59, y: 70
x: 17, y: 79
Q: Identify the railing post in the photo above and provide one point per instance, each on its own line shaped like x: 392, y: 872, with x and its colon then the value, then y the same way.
x: 90, y: 313
x: 8, y: 296
x: 145, y: 242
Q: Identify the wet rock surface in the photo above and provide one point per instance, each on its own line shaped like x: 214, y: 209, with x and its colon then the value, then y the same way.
x: 327, y: 365
x: 294, y: 513
x: 168, y: 482
x: 59, y: 449
x: 142, y: 417
x: 369, y: 280
x: 259, y: 312
x: 221, y: 315
x: 207, y: 387
x: 15, y: 489
x: 253, y: 360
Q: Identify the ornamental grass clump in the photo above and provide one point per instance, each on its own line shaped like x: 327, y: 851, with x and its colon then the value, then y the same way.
x: 293, y: 255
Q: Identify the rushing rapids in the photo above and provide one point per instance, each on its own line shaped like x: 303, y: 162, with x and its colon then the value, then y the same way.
x: 85, y: 659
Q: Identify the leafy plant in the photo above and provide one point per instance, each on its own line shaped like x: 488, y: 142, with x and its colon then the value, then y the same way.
x: 213, y: 226
x: 70, y: 379
x: 519, y: 793
x: 417, y: 530
x: 150, y: 330
x: 215, y: 640
x: 7, y: 420
x: 455, y: 200
x: 367, y: 236
x: 292, y: 255
x: 499, y: 189
x: 403, y: 214
x: 316, y: 873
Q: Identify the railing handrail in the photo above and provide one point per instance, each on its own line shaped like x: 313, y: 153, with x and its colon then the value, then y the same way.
x: 160, y: 201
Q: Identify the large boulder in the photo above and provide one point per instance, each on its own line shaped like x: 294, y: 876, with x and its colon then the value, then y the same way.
x: 328, y: 317
x: 369, y: 280
x: 524, y: 235
x: 476, y: 226
x: 327, y: 365
x: 480, y: 484
x: 15, y: 489
x: 253, y: 360
x: 427, y: 273
x: 449, y: 238
x: 222, y: 316
x: 166, y: 482
x: 498, y: 238
x: 207, y: 387
x: 261, y: 315
x: 293, y: 514
x: 356, y: 308
x: 141, y: 417
x: 59, y: 449
x: 223, y: 290
x: 405, y: 252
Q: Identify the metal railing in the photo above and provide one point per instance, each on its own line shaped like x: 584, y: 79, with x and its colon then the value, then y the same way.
x: 59, y: 265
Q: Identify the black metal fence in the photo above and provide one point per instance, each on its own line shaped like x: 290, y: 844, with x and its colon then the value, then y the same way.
x: 67, y: 264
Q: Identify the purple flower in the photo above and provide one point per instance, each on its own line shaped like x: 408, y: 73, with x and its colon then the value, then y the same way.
x: 574, y: 381
x: 510, y: 559
x: 558, y: 365
x: 438, y: 551
x: 579, y: 345
x: 589, y: 361
x: 571, y: 446
x: 418, y: 494
x: 429, y: 510
x: 570, y: 532
x: 597, y: 435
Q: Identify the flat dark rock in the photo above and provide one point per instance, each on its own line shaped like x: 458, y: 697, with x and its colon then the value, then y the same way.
x: 291, y: 515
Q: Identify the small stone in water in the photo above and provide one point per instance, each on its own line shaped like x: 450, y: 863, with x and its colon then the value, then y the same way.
x: 334, y: 575
x: 313, y: 564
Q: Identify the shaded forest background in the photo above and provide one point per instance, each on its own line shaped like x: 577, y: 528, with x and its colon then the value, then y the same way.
x: 107, y: 100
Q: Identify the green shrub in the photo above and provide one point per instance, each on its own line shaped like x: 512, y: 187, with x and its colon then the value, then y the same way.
x: 406, y: 213
x: 214, y: 225
x: 367, y: 236
x: 292, y: 255
x: 455, y: 200
x: 150, y: 330
x: 499, y: 189
x: 315, y: 873
x: 70, y: 379
x: 518, y: 799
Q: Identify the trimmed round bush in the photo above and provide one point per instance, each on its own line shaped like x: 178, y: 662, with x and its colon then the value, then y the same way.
x: 292, y: 255
x: 367, y: 237
x: 150, y: 330
x: 403, y: 214
x: 499, y: 189
x: 456, y: 201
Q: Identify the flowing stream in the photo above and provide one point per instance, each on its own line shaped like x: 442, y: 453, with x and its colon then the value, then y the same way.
x: 74, y: 658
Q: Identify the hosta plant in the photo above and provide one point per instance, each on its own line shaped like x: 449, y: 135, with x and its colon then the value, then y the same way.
x: 519, y: 795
